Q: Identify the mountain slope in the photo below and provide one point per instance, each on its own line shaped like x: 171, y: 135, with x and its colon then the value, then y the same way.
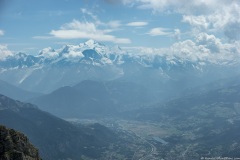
x: 217, y: 84
x: 15, y: 145
x: 67, y: 102
x: 15, y: 92
x: 224, y: 92
x: 204, y: 124
x: 94, y: 99
x: 55, y: 138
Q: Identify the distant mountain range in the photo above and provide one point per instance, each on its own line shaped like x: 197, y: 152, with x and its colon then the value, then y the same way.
x: 67, y: 66
x: 94, y: 99
x: 203, y: 122
x: 16, y: 92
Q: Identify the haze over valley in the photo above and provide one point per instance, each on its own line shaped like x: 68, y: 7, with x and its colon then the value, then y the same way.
x: 163, y: 84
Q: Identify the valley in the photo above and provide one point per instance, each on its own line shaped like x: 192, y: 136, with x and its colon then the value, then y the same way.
x: 139, y: 146
x: 109, y: 105
x: 199, y: 125
x: 167, y: 139
x: 120, y: 80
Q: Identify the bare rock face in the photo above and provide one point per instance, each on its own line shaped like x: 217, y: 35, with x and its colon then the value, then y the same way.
x: 15, y: 146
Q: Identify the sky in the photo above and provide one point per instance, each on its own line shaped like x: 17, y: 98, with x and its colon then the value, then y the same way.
x: 202, y: 26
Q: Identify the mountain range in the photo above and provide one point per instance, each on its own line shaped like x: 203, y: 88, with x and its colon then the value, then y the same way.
x: 51, y: 69
x: 94, y: 99
x: 201, y: 122
x: 16, y: 92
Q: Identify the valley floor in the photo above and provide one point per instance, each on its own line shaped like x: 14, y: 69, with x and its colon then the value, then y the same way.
x: 155, y: 141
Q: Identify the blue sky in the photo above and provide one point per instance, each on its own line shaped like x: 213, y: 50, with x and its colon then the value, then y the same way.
x: 30, y: 25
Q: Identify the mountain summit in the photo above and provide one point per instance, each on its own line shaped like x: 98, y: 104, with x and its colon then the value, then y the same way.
x: 67, y: 66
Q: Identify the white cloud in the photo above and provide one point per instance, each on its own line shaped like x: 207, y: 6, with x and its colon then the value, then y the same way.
x: 48, y: 53
x: 137, y: 24
x: 114, y: 24
x: 232, y: 31
x: 177, y: 34
x: 221, y: 16
x: 87, y: 27
x: 86, y: 11
x: 200, y: 22
x: 188, y: 51
x: 1, y: 32
x: 206, y: 48
x: 224, y: 20
x: 180, y: 6
x: 85, y: 30
x: 159, y: 32
x: 145, y: 51
x: 73, y: 53
x: 93, y: 16
x: 209, y: 41
x: 203, y: 49
x: 4, y: 51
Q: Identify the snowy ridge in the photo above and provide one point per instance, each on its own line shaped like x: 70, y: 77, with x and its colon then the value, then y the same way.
x: 94, y: 53
x: 90, y: 52
x: 54, y: 68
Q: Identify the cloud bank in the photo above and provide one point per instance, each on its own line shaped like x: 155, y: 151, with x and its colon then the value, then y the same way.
x: 204, y: 48
x: 203, y: 15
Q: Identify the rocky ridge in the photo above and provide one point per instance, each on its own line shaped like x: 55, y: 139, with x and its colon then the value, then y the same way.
x: 16, y: 146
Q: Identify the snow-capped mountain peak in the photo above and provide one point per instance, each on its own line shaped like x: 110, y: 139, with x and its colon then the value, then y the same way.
x: 91, y: 44
x: 48, y: 53
x: 21, y: 55
x: 92, y: 52
x: 93, y: 60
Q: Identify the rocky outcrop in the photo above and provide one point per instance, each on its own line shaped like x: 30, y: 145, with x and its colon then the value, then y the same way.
x: 15, y: 146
